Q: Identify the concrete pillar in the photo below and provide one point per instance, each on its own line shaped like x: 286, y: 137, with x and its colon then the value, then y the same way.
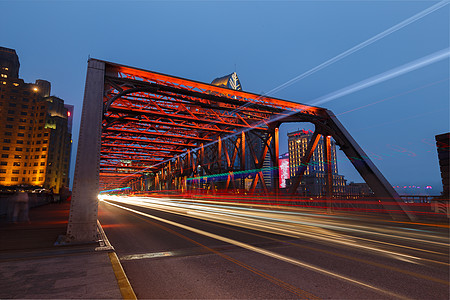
x: 82, y: 227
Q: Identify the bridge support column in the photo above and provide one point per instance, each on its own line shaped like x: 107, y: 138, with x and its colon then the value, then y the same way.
x: 328, y: 173
x: 82, y: 226
x: 276, y: 161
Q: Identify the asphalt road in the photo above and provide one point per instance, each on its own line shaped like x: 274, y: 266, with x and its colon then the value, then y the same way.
x: 176, y: 249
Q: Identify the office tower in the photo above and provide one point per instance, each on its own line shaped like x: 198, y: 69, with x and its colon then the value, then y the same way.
x: 314, y: 180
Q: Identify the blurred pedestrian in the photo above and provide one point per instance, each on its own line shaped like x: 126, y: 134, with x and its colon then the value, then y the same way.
x: 21, y: 207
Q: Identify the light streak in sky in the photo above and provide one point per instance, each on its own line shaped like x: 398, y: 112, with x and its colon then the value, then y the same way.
x: 264, y: 252
x: 395, y: 72
x: 392, y: 97
x: 363, y: 44
x: 354, y: 49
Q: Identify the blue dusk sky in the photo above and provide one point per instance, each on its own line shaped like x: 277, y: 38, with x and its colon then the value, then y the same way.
x: 394, y: 115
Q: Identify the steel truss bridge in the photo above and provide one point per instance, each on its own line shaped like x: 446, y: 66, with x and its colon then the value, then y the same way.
x: 144, y: 128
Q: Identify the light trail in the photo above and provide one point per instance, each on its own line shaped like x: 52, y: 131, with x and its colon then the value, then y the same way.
x: 265, y: 252
x: 395, y: 96
x: 363, y: 44
x: 406, y: 68
x: 353, y: 258
x: 293, y: 225
x: 356, y: 48
x: 116, y: 190
x: 400, y: 120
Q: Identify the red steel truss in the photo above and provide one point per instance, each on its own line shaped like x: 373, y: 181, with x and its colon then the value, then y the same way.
x: 158, y: 132
x: 154, y: 122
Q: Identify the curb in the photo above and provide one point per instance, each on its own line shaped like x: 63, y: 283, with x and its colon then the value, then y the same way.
x: 124, y: 285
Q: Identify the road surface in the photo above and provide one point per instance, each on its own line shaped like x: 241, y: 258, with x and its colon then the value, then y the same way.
x: 181, y: 248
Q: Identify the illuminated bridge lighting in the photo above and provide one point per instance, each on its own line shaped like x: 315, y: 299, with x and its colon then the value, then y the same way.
x: 116, y: 190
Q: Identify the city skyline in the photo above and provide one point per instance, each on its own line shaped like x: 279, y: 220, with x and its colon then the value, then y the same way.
x: 394, y: 121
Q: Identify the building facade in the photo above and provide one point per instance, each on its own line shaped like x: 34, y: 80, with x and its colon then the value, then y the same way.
x: 443, y: 149
x: 314, y: 179
x: 33, y: 130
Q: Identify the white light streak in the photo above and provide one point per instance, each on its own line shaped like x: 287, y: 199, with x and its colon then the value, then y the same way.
x: 291, y: 224
x: 264, y: 252
x: 362, y: 45
x: 406, y: 68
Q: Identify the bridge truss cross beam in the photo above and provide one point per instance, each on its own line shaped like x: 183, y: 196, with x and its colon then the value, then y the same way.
x: 151, y: 130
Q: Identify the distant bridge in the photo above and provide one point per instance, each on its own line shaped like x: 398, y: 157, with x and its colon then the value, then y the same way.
x: 139, y: 125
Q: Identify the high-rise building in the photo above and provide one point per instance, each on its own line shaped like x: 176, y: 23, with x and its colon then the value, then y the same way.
x: 443, y: 149
x: 34, y: 135
x: 9, y: 63
x: 230, y: 81
x: 59, y: 117
x: 314, y: 180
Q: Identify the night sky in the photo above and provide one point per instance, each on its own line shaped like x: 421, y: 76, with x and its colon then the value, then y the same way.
x: 268, y: 43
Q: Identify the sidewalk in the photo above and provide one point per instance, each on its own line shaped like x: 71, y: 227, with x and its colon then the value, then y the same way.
x: 32, y: 267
